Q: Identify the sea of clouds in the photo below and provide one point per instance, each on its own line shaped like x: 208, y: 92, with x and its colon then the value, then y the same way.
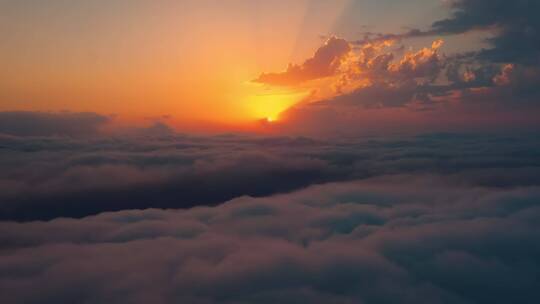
x: 161, y: 217
x: 399, y: 239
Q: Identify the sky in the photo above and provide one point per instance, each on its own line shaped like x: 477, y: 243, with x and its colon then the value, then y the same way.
x: 192, y: 64
x: 189, y: 59
x: 306, y: 151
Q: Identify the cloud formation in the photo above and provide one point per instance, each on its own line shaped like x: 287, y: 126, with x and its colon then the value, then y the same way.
x: 51, y: 123
x: 401, y: 239
x: 153, y: 216
x: 483, y: 88
x: 324, y: 63
x: 48, y: 177
x: 378, y: 80
x: 515, y: 23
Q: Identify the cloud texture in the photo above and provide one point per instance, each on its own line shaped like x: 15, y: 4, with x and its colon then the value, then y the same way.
x: 494, y: 85
x: 21, y: 123
x: 153, y: 216
x: 48, y: 177
x: 515, y: 23
x: 401, y: 239
x: 324, y: 63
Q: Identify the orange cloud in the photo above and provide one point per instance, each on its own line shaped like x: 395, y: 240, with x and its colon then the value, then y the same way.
x: 505, y: 76
x: 374, y: 68
x: 326, y: 62
x: 424, y: 63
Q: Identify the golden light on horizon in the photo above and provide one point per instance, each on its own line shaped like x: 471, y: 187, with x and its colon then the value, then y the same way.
x: 269, y: 106
x: 137, y: 66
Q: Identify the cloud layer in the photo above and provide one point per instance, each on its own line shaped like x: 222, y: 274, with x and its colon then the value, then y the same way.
x: 48, y: 177
x: 153, y: 216
x: 50, y: 124
x: 401, y: 239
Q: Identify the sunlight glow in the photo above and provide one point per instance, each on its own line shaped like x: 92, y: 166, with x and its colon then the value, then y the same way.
x: 270, y: 106
x: 136, y: 65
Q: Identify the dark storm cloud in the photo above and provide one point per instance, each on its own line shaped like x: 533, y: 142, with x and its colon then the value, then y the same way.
x: 51, y: 124
x: 515, y: 23
x: 49, y: 177
x: 514, y: 26
x: 400, y: 239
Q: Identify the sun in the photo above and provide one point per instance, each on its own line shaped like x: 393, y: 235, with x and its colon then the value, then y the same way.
x: 268, y: 107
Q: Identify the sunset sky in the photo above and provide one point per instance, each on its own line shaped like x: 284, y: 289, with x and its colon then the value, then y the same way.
x: 195, y: 62
x: 270, y: 151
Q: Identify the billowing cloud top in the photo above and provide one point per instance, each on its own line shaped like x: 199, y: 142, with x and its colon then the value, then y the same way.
x: 491, y: 86
x: 324, y: 63
x: 44, y: 177
x: 442, y: 218
x: 392, y: 240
